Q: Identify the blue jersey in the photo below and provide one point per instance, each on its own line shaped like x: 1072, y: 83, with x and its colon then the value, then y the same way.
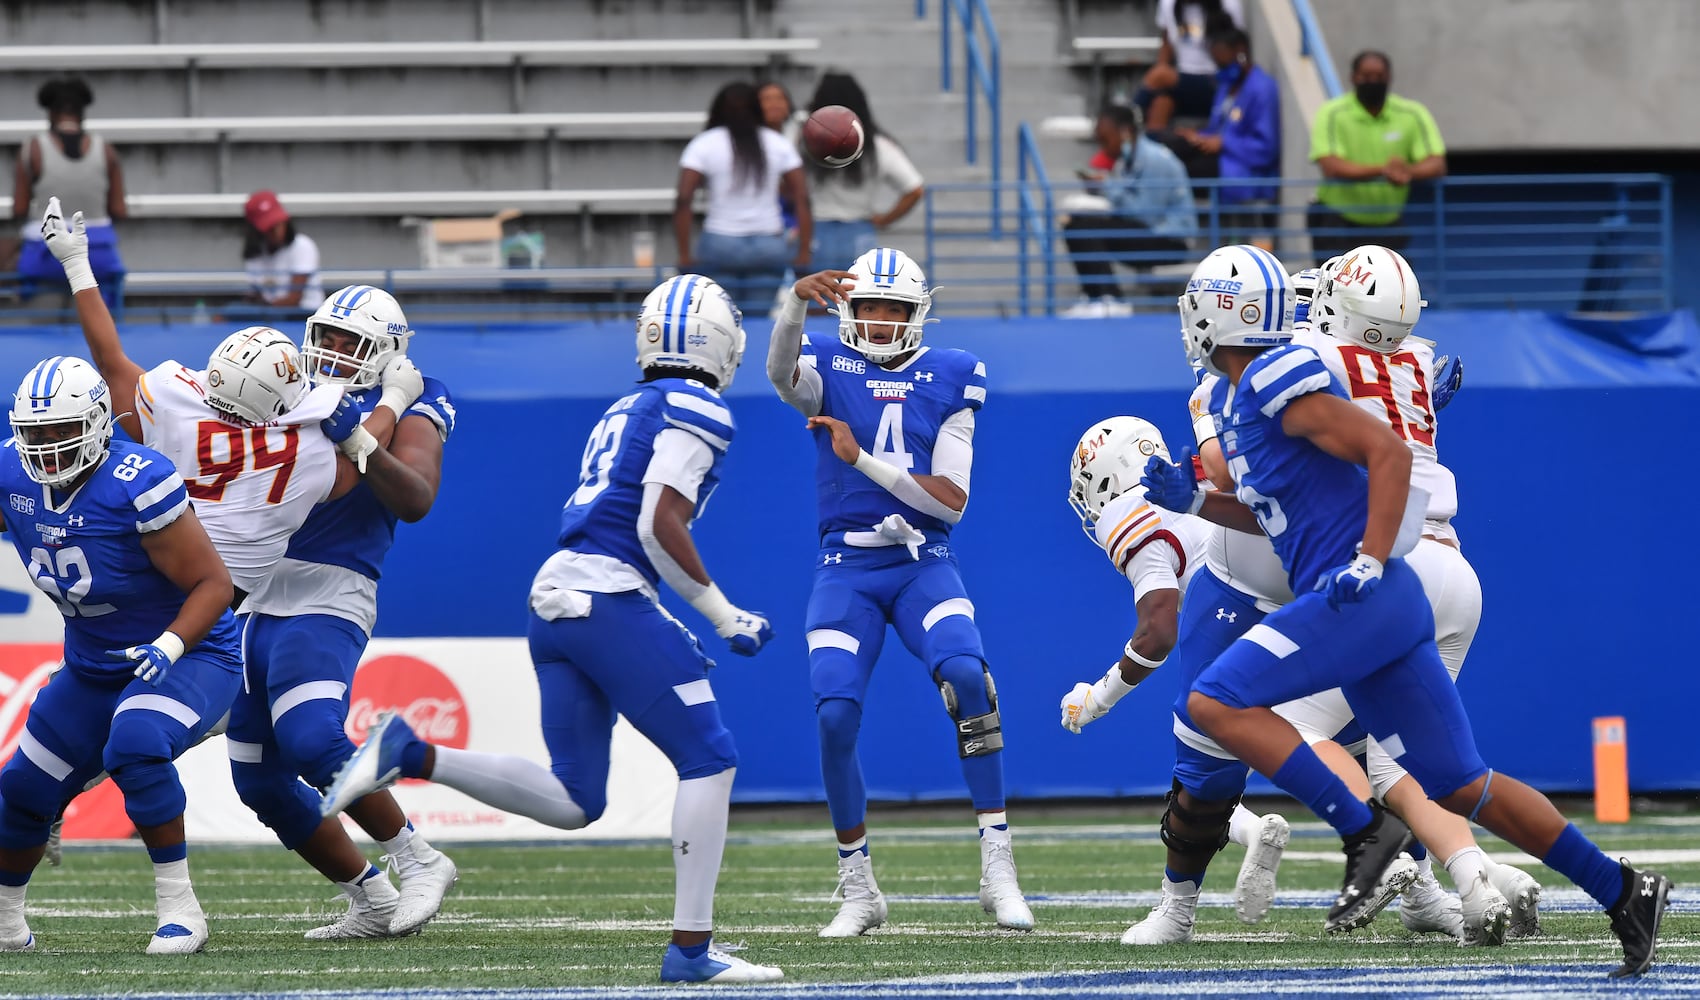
x: 84, y: 550
x: 601, y: 516
x: 355, y: 530
x: 1312, y: 505
x: 896, y: 415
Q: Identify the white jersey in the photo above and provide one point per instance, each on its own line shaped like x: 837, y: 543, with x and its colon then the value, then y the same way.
x: 251, y: 486
x: 1243, y: 561
x: 1155, y: 549
x: 1394, y: 388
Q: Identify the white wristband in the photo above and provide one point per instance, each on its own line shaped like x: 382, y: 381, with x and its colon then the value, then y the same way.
x: 713, y: 604
x: 171, y: 644
x: 883, y: 475
x: 80, y: 275
x: 1133, y: 654
x: 1112, y: 687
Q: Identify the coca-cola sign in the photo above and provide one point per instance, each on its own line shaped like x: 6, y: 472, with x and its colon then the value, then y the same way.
x: 427, y: 700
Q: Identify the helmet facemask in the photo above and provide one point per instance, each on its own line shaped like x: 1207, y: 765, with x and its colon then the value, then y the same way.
x: 1109, y: 461
x: 352, y: 337
x: 62, y: 421
x: 887, y: 275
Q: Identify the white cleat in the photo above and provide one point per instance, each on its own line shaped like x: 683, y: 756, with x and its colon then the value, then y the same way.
x: 1523, y: 893
x: 1000, y: 895
x: 864, y: 907
x: 714, y: 966
x: 1254, y: 890
x: 370, y: 908
x: 181, y: 936
x: 1486, y: 913
x: 1426, y: 907
x: 423, y: 886
x: 14, y: 932
x: 1169, y: 922
x: 375, y: 764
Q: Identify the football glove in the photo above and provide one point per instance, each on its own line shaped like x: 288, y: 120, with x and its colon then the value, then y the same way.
x: 1444, y: 382
x: 70, y: 244
x: 746, y: 632
x: 153, y: 660
x: 1173, y: 486
x: 1351, y: 583
x: 344, y: 429
x: 1092, y: 701
x: 402, y: 384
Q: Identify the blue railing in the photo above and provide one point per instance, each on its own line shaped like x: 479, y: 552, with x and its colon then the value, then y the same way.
x: 1561, y: 242
x: 983, y: 68
x: 1313, y: 45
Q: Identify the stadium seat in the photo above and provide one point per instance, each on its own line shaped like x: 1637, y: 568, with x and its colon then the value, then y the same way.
x: 612, y: 201
x: 341, y: 128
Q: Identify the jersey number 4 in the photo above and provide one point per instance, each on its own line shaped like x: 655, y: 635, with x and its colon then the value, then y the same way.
x: 888, y: 439
x: 241, y: 448
x: 1413, y: 422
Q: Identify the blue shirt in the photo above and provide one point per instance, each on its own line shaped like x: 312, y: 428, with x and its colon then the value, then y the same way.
x: 1150, y: 184
x: 601, y: 516
x: 895, y: 415
x: 1249, y: 122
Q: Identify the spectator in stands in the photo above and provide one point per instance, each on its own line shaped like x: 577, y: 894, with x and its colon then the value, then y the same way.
x: 83, y: 172
x: 745, y: 168
x: 1241, y: 140
x: 282, y: 264
x: 780, y: 113
x: 1370, y: 145
x: 1148, y: 218
x: 1183, y: 82
x: 852, y: 204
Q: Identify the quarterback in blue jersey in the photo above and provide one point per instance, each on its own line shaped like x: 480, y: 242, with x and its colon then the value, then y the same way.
x: 308, y: 622
x: 106, y: 530
x: 895, y: 425
x: 600, y: 639
x: 1298, y: 451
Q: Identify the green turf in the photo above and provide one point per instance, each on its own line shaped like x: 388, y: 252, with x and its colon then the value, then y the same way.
x: 538, y: 916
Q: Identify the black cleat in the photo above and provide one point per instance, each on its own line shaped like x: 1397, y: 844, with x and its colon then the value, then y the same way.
x: 1368, y: 853
x: 1636, y: 917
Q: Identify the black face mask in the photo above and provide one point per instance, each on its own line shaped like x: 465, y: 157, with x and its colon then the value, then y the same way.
x: 1372, y: 95
x: 73, y: 140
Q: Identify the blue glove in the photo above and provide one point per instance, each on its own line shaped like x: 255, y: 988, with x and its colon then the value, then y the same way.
x: 152, y: 659
x: 1448, y: 376
x: 746, y: 632
x: 1351, y: 583
x: 1172, y: 487
x: 343, y: 421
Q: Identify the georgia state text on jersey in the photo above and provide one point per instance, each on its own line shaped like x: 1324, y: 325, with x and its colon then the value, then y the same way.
x: 1154, y: 548
x: 1394, y: 389
x: 895, y: 414
x: 252, y: 486
x: 1309, y: 502
x: 86, y: 552
x: 601, y: 516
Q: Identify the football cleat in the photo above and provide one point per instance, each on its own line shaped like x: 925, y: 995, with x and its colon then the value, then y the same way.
x: 14, y: 932
x: 1169, y: 922
x: 370, y: 907
x: 1523, y: 893
x: 1426, y: 907
x: 714, y: 966
x: 1485, y: 911
x: 182, y: 924
x: 1370, y: 882
x: 375, y: 765
x: 864, y: 906
x: 1635, y: 918
x: 56, y: 843
x: 1000, y: 895
x: 424, y: 883
x: 1254, y: 889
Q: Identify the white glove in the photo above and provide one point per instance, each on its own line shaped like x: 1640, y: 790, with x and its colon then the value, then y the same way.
x: 895, y: 528
x: 745, y: 631
x: 403, y: 384
x: 1093, y: 701
x: 69, y: 244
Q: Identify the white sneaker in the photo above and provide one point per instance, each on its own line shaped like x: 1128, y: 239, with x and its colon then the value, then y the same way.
x: 14, y: 931
x: 182, y: 928
x: 1395, y: 880
x: 864, y: 905
x: 714, y: 966
x: 1170, y: 922
x: 1486, y: 913
x: 1254, y: 890
x: 1425, y: 907
x: 1523, y: 893
x: 426, y: 875
x: 1086, y: 309
x: 370, y: 907
x: 999, y: 893
x: 1115, y: 308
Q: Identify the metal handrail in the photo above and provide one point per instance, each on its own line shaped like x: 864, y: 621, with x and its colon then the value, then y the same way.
x: 984, y: 66
x: 1315, y: 47
x: 1036, y: 215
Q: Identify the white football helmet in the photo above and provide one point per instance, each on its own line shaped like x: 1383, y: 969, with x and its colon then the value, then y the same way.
x: 1239, y: 296
x: 885, y: 274
x: 1369, y: 296
x: 374, y: 318
x: 62, y: 420
x: 689, y: 321
x: 255, y: 376
x: 1109, y: 461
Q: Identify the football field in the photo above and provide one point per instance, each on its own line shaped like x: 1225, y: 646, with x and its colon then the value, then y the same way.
x: 590, y: 919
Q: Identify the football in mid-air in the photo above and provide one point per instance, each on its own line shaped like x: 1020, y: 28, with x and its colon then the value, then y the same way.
x: 833, y: 136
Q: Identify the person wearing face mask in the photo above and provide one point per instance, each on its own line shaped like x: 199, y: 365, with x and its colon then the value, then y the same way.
x: 1242, y: 139
x: 82, y: 171
x: 1370, y: 145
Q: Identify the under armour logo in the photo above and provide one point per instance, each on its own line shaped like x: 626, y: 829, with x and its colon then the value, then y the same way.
x: 75, y: 520
x: 683, y: 847
x: 832, y: 559
x: 743, y: 620
x: 923, y: 376
x: 1350, y: 894
x: 1224, y: 615
x: 1647, y: 883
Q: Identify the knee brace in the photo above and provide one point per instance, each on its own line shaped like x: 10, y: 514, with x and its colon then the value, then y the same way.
x: 286, y: 806
x: 971, y: 699
x: 1207, y: 831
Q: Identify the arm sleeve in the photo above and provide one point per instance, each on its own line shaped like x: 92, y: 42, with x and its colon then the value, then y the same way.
x: 953, y: 452
x: 695, y: 156
x: 784, y: 357
x: 680, y: 460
